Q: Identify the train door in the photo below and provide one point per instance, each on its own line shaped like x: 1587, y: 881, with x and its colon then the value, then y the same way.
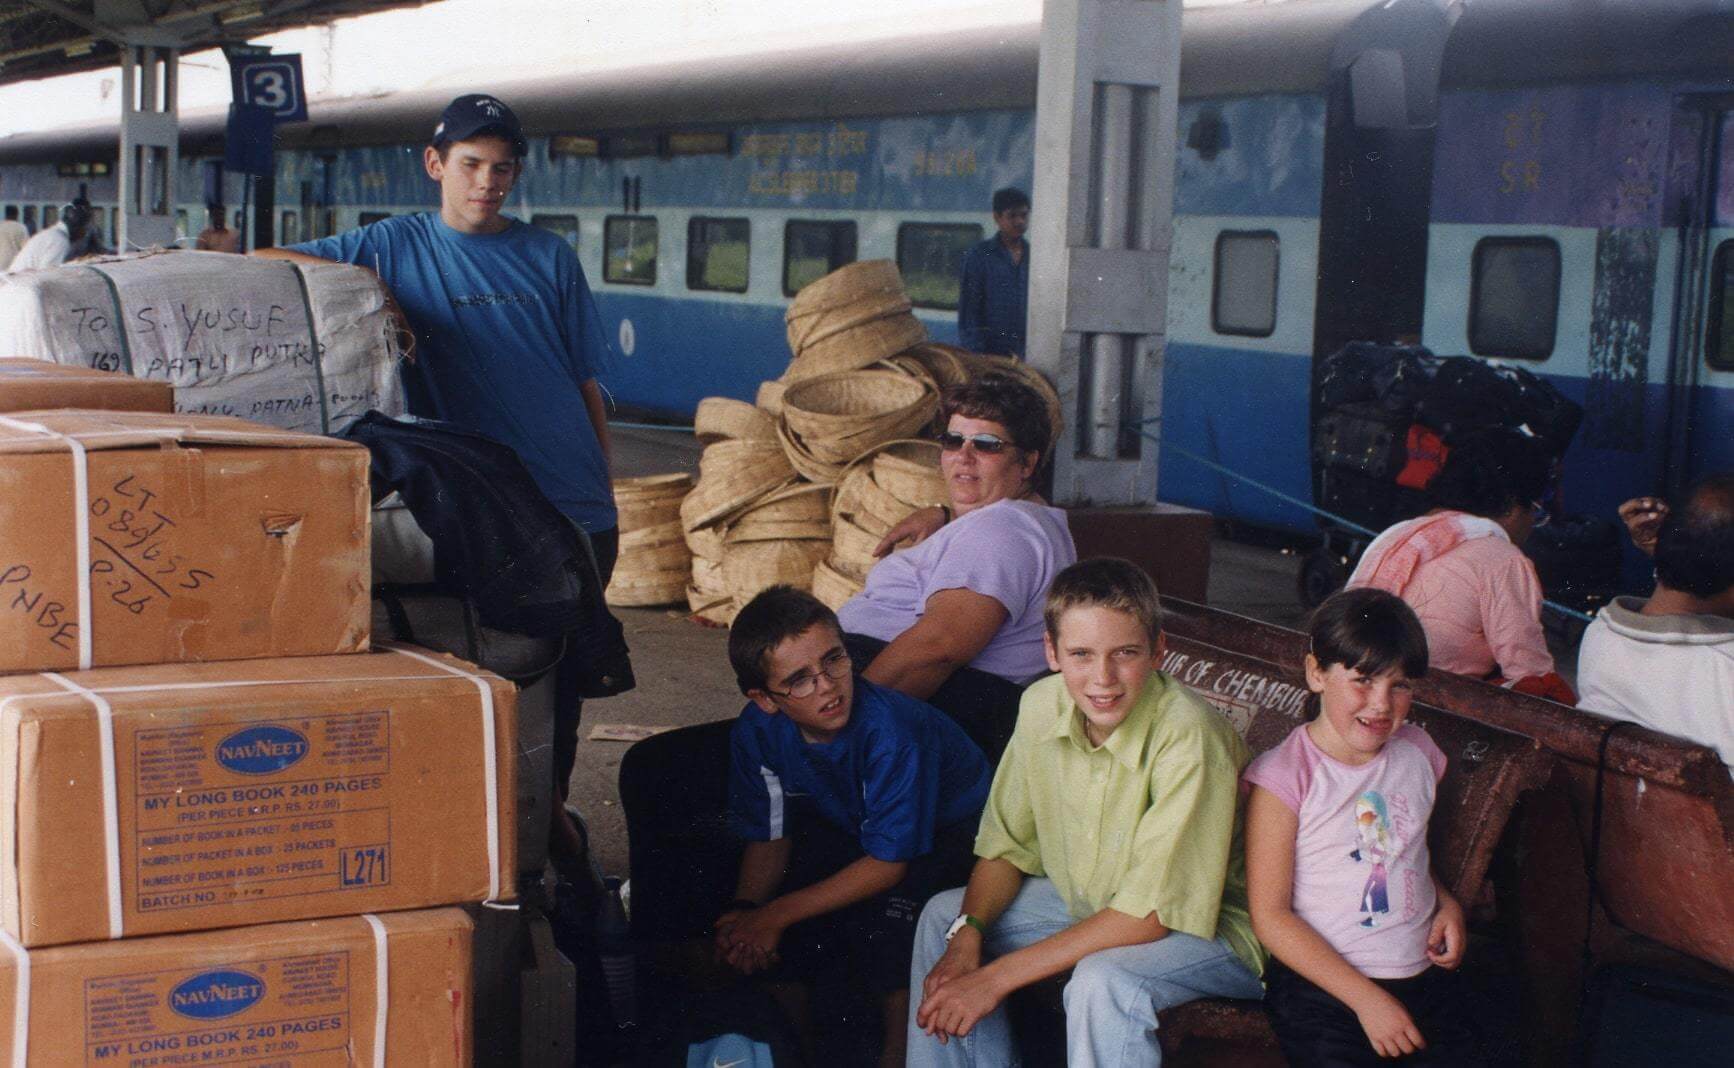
x: 1699, y: 412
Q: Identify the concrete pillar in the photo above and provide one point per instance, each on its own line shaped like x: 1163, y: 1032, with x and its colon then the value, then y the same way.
x: 149, y: 145
x: 1099, y: 234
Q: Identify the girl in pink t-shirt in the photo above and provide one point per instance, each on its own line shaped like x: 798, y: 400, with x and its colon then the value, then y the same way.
x: 1341, y: 887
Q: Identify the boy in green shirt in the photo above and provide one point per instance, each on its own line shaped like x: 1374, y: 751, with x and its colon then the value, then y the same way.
x: 1111, y: 845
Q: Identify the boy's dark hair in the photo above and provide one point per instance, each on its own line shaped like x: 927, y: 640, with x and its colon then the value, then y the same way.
x: 1368, y: 630
x: 1492, y: 470
x: 1004, y: 399
x: 1009, y: 198
x: 768, y: 620
x: 1695, y: 546
x: 1104, y: 582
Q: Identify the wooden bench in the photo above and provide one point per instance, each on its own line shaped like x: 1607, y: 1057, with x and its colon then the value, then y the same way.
x: 1251, y: 671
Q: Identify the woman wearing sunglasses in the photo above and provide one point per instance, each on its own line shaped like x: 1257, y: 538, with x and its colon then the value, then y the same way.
x: 1462, y: 569
x: 957, y: 620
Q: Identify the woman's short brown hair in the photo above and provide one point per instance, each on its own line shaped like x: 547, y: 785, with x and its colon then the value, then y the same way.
x: 1005, y: 400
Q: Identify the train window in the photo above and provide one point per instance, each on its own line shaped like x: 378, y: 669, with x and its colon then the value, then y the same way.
x: 368, y: 218
x: 716, y: 254
x: 1514, y: 297
x: 50, y: 215
x: 1719, y: 345
x: 1243, y: 301
x: 183, y: 223
x: 564, y: 225
x: 30, y: 217
x: 812, y: 250
x: 629, y: 250
x: 930, y: 255
x: 289, y: 230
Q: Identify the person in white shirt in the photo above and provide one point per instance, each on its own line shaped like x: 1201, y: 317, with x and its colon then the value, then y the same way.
x: 54, y: 245
x: 1668, y: 662
x: 12, y: 237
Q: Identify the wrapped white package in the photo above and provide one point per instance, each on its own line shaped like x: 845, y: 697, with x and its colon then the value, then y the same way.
x: 299, y: 347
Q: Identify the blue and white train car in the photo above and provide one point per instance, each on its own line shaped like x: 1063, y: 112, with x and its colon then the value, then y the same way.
x: 1545, y: 182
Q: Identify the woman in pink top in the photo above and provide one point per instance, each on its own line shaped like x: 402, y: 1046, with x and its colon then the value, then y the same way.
x: 1461, y: 566
x: 1364, y: 938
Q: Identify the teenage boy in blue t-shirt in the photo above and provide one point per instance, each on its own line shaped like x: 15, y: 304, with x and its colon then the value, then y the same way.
x: 866, y: 798
x: 508, y: 339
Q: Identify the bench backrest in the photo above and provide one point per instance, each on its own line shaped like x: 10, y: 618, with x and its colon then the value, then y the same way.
x: 1254, y: 678
x: 1666, y: 862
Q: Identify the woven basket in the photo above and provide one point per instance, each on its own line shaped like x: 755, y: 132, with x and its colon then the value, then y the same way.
x: 909, y: 471
x: 649, y: 501
x: 801, y: 511
x: 635, y: 541
x: 706, y: 543
x: 855, y: 316
x: 707, y: 577
x: 711, y: 607
x: 864, y: 502
x: 947, y: 365
x: 723, y: 418
x: 833, y: 419
x: 642, y: 589
x: 832, y: 586
x: 861, y: 345
x: 751, y: 566
x: 732, y: 475
x: 770, y: 396
x: 852, y: 548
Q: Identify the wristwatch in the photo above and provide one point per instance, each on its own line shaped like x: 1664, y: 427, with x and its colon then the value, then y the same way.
x: 963, y: 920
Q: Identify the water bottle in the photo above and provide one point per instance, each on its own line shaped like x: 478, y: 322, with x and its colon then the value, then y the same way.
x: 614, y: 948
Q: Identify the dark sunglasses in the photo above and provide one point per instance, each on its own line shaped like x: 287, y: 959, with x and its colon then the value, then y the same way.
x: 987, y: 444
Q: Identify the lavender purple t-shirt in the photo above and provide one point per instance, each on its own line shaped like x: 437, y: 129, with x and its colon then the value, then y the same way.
x: 1009, y: 550
x: 1362, y: 875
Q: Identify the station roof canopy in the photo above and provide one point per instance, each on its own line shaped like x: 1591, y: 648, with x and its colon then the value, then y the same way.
x: 44, y: 38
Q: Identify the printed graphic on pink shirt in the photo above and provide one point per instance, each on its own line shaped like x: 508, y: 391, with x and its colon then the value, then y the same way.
x: 1373, y: 833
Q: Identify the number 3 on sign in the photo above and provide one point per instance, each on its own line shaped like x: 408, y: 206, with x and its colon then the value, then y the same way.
x: 270, y: 89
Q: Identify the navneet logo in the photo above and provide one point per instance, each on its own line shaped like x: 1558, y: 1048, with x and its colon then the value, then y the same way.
x: 216, y: 994
x: 262, y: 750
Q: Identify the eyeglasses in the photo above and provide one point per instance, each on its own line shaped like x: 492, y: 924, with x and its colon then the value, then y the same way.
x: 1538, y: 514
x: 833, y: 667
x: 986, y: 444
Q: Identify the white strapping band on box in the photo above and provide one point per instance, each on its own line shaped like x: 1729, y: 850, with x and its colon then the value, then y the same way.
x: 381, y: 993
x: 111, y: 778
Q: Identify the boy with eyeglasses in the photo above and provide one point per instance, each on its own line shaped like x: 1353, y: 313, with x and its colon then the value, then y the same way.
x: 857, y: 803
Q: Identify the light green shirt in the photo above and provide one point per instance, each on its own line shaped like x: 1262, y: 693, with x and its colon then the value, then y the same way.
x: 1149, y: 821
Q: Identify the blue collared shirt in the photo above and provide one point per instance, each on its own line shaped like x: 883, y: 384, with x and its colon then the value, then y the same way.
x: 994, y: 301
x: 898, y: 772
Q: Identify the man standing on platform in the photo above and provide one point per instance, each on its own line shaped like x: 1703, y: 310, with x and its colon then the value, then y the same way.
x: 508, y: 338
x: 994, y: 298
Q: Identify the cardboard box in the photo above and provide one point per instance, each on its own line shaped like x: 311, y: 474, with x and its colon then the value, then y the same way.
x: 302, y: 994
x: 209, y: 539
x: 251, y: 792
x: 27, y: 385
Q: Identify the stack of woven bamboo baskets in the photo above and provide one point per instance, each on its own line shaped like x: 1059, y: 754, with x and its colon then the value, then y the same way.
x: 654, y: 561
x: 800, y: 487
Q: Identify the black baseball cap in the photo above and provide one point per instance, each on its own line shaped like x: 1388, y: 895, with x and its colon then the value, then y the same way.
x: 478, y: 113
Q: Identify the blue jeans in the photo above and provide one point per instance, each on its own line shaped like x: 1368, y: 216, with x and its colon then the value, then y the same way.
x: 1111, y: 1000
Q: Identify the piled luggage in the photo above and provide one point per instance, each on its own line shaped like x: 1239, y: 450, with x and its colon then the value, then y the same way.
x: 1387, y: 417
x: 226, y: 808
x: 799, y: 487
x: 236, y: 829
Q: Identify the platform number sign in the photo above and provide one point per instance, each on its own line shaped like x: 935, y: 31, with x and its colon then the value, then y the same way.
x: 272, y: 83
